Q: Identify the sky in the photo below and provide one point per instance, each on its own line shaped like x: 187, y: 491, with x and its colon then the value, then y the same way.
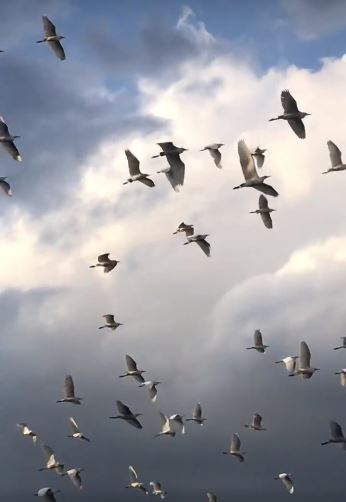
x: 137, y: 73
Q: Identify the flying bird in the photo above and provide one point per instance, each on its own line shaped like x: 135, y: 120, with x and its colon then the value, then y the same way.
x: 264, y: 211
x: 175, y: 173
x: 290, y: 363
x: 69, y: 395
x: 292, y: 114
x: 132, y: 370
x: 51, y: 37
x: 52, y: 463
x: 26, y: 431
x: 157, y: 489
x: 134, y: 483
x: 304, y: 368
x: 335, y: 158
x: 5, y: 186
x: 188, y: 229
x: 151, y: 386
x: 215, y: 153
x: 259, y: 156
x: 256, y: 424
x: 211, y: 497
x: 250, y: 174
x: 342, y: 374
x: 234, y: 448
x: 197, y: 415
x: 336, y: 435
x: 76, y: 433
x: 127, y: 415
x: 258, y: 342
x: 286, y: 479
x: 47, y: 493
x: 343, y: 346
x: 7, y: 141
x: 135, y: 173
x: 166, y: 429
x: 200, y: 239
x: 75, y: 477
x: 105, y: 262
x: 110, y: 322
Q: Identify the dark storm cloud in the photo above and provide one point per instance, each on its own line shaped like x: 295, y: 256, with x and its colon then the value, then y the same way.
x: 314, y: 18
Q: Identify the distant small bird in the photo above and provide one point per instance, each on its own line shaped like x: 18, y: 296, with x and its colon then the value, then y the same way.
x: 335, y: 158
x: 175, y: 173
x: 135, y: 173
x: 157, y: 489
x: 5, y: 187
x: 197, y: 415
x: 250, y: 174
x: 105, y: 262
x: 134, y: 483
x: 52, y: 463
x: 75, y: 477
x: 259, y: 156
x: 7, y: 141
x: 200, y: 239
x: 258, y: 342
x: 188, y: 229
x: 304, y: 368
x: 343, y: 345
x: 234, y: 448
x: 52, y: 38
x: 47, y: 493
x: 27, y: 432
x: 342, y: 374
x: 151, y: 388
x: 132, y: 370
x: 290, y: 363
x: 76, y: 433
x: 264, y: 211
x: 69, y: 395
x: 166, y: 429
x: 256, y: 424
x: 110, y: 322
x: 336, y: 435
x: 215, y: 153
x: 211, y: 497
x: 292, y: 114
x: 286, y: 479
x: 127, y: 415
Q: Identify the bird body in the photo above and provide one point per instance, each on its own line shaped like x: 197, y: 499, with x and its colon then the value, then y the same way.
x: 26, y: 431
x: 200, y: 239
x: 292, y: 114
x: 105, y: 262
x: 197, y: 415
x: 110, y: 322
x: 126, y: 414
x: 234, y: 448
x: 69, y: 395
x: 304, y: 368
x: 52, y: 463
x: 132, y: 370
x: 76, y: 433
x: 135, y: 173
x: 258, y: 343
x: 256, y: 424
x: 264, y: 210
x: 188, y: 229
x: 51, y: 37
x: 286, y: 480
x: 336, y: 435
x: 335, y: 158
x: 215, y: 153
x: 175, y: 173
x: 7, y: 142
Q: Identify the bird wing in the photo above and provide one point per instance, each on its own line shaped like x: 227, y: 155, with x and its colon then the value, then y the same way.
x: 260, y: 157
x: 336, y: 430
x: 148, y: 182
x: 75, y: 477
x: 258, y: 340
x: 109, y: 266
x: 49, y: 452
x: 74, y: 425
x: 133, y: 163
x: 334, y: 153
x: 165, y: 423
x: 290, y: 363
x: 138, y: 378
x: 103, y: 258
x: 267, y: 220
x: 246, y: 161
x: 176, y: 173
x: 68, y: 386
x: 197, y: 412
x: 131, y: 363
x: 3, y: 128
x: 304, y: 356
x: 263, y: 202
x: 5, y: 187
x: 211, y: 497
x: 57, y: 48
x: 153, y: 392
x: 123, y: 409
x: 48, y: 27
x: 109, y: 318
x: 257, y: 420
x: 11, y: 148
x: 287, y: 481
x: 177, y: 422
x: 168, y: 146
x: 216, y: 155
x: 235, y: 443
x: 132, y: 475
x: 267, y: 189
x: 134, y: 422
x: 204, y: 245
x: 288, y: 102
x: 298, y: 127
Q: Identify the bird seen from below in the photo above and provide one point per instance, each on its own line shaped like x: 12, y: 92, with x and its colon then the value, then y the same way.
x: 51, y: 37
x: 292, y: 114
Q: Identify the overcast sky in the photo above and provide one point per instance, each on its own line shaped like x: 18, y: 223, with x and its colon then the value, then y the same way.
x: 137, y: 73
